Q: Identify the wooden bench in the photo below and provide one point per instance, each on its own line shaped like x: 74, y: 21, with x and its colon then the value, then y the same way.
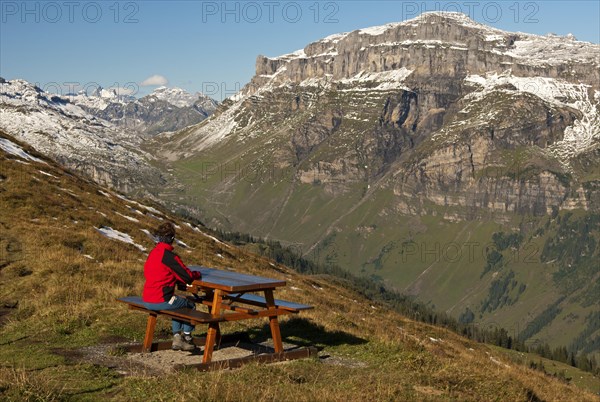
x: 196, y: 317
x: 259, y: 301
x: 252, y: 300
x: 192, y: 316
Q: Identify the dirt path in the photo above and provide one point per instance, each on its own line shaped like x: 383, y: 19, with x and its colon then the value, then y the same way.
x: 163, y: 361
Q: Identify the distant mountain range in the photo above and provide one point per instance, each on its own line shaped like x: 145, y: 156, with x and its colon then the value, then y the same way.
x: 165, y: 109
x: 99, y: 134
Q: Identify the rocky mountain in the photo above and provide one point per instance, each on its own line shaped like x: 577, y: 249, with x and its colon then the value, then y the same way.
x: 453, y: 161
x: 99, y: 134
x: 59, y: 128
x: 165, y: 109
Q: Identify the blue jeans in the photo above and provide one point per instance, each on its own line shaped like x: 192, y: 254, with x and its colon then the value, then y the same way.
x: 179, y: 302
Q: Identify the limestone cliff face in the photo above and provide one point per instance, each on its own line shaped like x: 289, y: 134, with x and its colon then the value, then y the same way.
x: 475, y: 172
x: 434, y: 45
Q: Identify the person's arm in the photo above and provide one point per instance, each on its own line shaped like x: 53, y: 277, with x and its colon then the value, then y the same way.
x: 183, y: 273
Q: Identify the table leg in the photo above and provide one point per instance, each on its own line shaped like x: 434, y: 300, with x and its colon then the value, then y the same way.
x: 218, y: 336
x: 213, y: 328
x: 273, y: 322
x: 150, y: 326
x: 209, y: 295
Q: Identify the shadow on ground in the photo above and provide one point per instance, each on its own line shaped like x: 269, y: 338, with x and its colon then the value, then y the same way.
x: 303, y: 332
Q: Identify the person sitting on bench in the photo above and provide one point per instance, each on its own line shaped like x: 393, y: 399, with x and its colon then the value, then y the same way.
x: 163, y: 270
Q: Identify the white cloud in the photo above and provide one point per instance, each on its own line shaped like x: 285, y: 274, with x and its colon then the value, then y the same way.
x: 154, y: 80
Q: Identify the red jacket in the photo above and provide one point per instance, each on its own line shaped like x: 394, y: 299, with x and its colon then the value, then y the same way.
x: 163, y: 269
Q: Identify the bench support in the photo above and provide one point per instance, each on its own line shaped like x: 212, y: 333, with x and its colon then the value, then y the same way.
x: 150, y: 326
x: 214, y: 330
x: 273, y: 322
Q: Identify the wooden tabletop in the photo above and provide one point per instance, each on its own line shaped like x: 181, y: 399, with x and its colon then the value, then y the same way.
x: 230, y: 281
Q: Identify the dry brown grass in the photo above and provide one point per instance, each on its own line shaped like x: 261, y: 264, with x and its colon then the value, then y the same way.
x: 66, y: 300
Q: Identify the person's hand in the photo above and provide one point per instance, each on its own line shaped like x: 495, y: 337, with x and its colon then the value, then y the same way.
x: 196, y: 275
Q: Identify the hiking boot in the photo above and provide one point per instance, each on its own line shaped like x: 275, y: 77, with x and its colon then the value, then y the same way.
x: 183, y: 342
x: 188, y: 343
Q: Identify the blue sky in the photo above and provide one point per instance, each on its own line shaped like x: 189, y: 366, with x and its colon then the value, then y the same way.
x: 211, y: 46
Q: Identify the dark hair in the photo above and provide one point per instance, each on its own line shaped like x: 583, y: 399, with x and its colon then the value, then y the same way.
x: 165, y: 232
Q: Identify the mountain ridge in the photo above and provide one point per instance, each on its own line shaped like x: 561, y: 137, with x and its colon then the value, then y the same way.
x: 453, y: 29
x: 328, y: 66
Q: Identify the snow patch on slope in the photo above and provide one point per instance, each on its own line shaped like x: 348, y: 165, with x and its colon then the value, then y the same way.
x: 13, y: 149
x: 335, y: 38
x: 585, y: 132
x: 377, y: 30
x: 215, y: 128
x: 120, y: 236
x: 362, y: 81
x: 298, y: 54
x: 392, y: 79
x: 129, y: 218
x: 535, y: 50
x: 579, y: 137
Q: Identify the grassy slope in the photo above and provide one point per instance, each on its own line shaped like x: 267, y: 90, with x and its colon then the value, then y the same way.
x: 58, y: 300
x: 583, y: 380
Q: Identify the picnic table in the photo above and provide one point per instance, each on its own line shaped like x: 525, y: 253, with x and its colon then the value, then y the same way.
x: 229, y: 296
x: 224, y: 288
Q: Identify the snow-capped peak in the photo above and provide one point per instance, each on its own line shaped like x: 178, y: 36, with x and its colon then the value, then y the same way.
x: 176, y: 96
x: 529, y: 48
